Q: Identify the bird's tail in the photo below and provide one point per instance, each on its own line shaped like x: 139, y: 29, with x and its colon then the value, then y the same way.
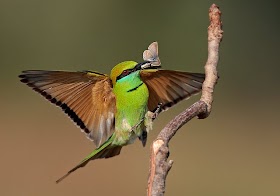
x: 106, y: 150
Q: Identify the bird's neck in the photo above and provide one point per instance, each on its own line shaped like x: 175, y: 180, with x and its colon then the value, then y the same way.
x: 131, y: 93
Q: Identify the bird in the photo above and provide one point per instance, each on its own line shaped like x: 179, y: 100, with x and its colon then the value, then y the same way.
x: 114, y: 110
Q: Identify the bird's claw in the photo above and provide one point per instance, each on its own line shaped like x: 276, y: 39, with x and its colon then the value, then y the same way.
x: 157, y: 111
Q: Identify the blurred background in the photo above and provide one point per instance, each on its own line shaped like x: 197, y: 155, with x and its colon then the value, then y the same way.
x: 236, y: 151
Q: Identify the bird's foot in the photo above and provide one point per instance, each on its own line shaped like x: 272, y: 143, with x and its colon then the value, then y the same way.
x: 149, y: 115
x: 156, y: 112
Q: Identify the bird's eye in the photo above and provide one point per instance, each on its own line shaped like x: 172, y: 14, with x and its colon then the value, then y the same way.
x: 125, y: 72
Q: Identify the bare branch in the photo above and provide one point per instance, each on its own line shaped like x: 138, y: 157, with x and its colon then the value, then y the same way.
x: 159, y: 165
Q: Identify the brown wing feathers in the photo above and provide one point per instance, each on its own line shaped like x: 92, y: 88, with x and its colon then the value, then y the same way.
x: 41, y: 81
x: 169, y: 87
x: 87, y: 98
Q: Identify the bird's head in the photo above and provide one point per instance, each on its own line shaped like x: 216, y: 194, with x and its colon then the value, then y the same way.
x: 127, y: 68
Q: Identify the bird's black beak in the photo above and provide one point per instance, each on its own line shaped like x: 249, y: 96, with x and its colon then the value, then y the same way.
x: 145, y: 65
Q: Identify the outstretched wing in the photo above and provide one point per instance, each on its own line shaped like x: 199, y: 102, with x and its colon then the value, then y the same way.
x: 86, y: 97
x: 169, y: 87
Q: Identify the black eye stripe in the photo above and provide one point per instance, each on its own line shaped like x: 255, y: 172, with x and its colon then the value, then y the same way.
x: 129, y: 71
x: 125, y: 73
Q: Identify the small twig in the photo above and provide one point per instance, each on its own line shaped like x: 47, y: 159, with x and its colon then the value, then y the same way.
x: 159, y: 165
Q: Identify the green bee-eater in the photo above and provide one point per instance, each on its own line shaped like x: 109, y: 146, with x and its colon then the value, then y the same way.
x: 115, y: 110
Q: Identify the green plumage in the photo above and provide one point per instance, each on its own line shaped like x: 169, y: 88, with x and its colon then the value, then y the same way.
x: 113, y: 111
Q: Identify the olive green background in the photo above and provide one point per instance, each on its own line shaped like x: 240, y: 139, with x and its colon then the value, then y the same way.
x: 236, y: 151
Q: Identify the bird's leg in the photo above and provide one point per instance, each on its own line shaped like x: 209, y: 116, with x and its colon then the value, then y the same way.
x: 148, y: 123
x: 148, y: 119
x: 156, y: 111
x: 150, y: 116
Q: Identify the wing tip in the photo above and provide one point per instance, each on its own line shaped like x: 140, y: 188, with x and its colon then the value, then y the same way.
x: 63, y: 106
x: 38, y: 79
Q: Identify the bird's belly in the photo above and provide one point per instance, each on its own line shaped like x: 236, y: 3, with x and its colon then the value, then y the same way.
x: 127, y: 131
x: 123, y: 138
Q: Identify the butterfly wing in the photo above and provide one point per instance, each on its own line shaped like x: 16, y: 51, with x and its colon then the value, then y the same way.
x: 86, y: 97
x: 151, y: 54
x: 169, y: 87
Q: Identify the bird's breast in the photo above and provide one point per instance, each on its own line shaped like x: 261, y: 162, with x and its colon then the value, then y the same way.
x: 131, y: 110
